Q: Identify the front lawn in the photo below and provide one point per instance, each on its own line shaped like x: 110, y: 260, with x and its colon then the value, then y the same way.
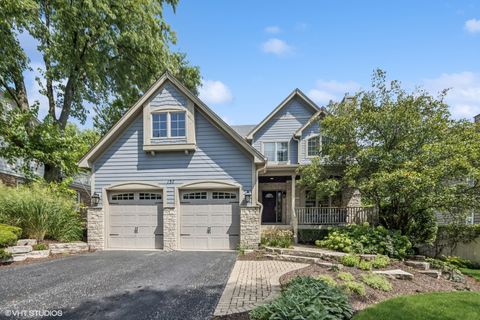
x: 432, y: 306
x: 474, y: 273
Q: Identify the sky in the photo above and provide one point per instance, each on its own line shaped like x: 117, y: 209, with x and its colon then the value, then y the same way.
x: 252, y: 54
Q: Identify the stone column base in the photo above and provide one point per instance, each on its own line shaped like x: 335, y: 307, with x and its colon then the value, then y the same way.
x: 169, y: 229
x: 96, y: 228
x: 250, y: 227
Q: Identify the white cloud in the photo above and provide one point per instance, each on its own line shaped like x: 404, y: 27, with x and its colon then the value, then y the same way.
x: 472, y: 25
x: 214, y: 91
x: 277, y: 47
x: 272, y: 29
x: 464, y: 94
x: 326, y: 90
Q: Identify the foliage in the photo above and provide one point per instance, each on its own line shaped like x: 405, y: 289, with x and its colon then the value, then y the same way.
x: 380, y: 261
x: 350, y: 260
x: 346, y: 276
x: 4, y: 255
x: 277, y: 238
x: 40, y: 212
x: 474, y: 273
x: 461, y: 263
x: 376, y: 281
x: 449, y: 270
x: 365, y: 265
x: 309, y: 236
x: 431, y: 306
x: 404, y: 153
x: 367, y: 239
x: 9, y: 235
x: 102, y: 53
x: 354, y: 287
x: 452, y: 234
x: 40, y: 246
x: 327, y: 279
x: 306, y: 298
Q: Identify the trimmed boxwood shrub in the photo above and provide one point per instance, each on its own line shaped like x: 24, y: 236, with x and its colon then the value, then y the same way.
x: 366, y: 239
x: 9, y: 235
x: 306, y: 298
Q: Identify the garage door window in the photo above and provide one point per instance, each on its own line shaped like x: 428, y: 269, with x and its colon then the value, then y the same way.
x: 195, y: 196
x: 149, y: 196
x: 122, y: 196
x: 223, y: 195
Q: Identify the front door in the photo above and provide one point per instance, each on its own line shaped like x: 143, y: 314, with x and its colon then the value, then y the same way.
x: 272, y: 206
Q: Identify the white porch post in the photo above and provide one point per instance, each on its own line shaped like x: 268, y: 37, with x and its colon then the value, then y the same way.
x: 294, y: 216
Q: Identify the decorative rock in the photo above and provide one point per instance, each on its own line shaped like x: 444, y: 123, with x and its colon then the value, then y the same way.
x: 19, y: 249
x: 396, y: 274
x: 432, y: 273
x: 299, y: 259
x: 420, y: 265
x: 19, y: 257
x: 70, y: 247
x: 368, y: 256
x: 38, y: 254
x: 26, y: 242
x: 416, y: 257
x: 329, y: 265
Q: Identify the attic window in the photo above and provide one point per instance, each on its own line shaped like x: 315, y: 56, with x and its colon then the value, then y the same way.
x: 159, y: 125
x: 168, y: 124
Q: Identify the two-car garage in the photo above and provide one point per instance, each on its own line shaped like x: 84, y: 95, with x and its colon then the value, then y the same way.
x: 207, y: 219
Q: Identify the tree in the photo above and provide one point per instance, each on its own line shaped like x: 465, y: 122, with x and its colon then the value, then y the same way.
x: 94, y: 52
x: 404, y: 153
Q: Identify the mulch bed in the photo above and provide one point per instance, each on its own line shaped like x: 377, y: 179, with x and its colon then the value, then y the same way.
x: 420, y: 284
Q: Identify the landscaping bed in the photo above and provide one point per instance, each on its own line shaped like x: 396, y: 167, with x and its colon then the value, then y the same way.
x: 256, y: 255
x: 420, y: 284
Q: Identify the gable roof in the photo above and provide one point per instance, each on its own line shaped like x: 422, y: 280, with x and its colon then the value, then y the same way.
x: 130, y: 115
x: 295, y: 93
x: 315, y: 117
x: 243, y: 129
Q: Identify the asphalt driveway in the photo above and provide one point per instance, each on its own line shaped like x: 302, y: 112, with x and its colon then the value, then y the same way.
x: 119, y: 285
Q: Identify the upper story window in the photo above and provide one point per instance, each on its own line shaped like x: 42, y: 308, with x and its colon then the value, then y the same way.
x: 313, y: 146
x: 276, y: 151
x: 168, y: 124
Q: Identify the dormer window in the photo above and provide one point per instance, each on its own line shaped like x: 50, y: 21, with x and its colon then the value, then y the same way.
x: 168, y: 124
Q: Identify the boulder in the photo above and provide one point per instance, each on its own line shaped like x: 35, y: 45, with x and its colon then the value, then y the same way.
x: 68, y: 247
x: 432, y: 273
x: 19, y: 249
x: 38, y: 254
x: 420, y: 265
x: 396, y: 274
x: 26, y: 242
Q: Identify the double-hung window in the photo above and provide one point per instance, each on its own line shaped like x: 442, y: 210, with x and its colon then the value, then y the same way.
x: 276, y: 151
x: 168, y: 124
x: 313, y: 146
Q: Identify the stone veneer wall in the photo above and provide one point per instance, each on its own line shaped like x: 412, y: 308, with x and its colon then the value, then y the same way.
x: 250, y: 227
x: 169, y: 228
x: 96, y: 228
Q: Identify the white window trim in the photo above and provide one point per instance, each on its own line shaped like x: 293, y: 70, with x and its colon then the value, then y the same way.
x: 276, y: 142
x: 319, y: 144
x: 169, y: 124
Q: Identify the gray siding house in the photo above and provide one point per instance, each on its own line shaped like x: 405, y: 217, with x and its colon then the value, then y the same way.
x: 172, y: 175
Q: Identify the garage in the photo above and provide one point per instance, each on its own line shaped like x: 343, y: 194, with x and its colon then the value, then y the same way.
x: 209, y: 220
x: 135, y: 220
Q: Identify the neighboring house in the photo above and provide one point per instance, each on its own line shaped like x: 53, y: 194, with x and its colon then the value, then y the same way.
x: 171, y: 174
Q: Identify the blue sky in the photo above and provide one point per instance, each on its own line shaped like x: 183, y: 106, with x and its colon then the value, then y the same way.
x: 252, y: 54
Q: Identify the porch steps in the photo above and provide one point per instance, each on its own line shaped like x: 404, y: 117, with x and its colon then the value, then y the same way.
x: 419, y: 265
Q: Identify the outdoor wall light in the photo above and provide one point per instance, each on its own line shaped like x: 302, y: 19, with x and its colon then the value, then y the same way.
x: 95, y: 199
x: 248, y: 196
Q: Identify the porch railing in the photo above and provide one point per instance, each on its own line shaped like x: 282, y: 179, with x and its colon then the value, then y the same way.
x: 335, y: 216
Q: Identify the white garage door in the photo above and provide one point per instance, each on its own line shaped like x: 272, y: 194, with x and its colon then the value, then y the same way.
x: 209, y: 220
x: 136, y: 220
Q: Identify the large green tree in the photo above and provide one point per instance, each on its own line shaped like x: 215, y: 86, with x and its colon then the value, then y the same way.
x: 101, y: 53
x: 405, y: 154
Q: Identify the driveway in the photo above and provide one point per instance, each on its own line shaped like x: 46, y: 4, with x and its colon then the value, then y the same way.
x: 119, y: 285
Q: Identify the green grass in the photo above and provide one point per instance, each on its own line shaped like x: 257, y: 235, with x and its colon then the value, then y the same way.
x: 475, y: 273
x: 430, y: 306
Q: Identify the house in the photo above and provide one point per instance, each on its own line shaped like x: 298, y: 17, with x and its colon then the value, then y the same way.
x: 172, y: 175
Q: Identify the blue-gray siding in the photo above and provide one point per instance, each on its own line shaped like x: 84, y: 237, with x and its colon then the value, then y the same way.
x: 168, y: 95
x: 283, y: 125
x: 312, y: 130
x: 216, y: 158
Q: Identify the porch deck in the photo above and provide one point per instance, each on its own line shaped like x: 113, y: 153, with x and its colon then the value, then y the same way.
x: 335, y: 216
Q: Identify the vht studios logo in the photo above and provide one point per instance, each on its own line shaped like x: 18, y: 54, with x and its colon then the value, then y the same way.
x: 33, y: 313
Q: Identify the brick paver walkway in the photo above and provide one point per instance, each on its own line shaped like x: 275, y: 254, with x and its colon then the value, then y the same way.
x: 252, y: 283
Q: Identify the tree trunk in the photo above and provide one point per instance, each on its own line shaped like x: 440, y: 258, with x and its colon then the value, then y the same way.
x: 52, y: 173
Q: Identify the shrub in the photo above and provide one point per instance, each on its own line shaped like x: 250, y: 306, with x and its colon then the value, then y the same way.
x: 41, y: 212
x: 365, y: 265
x: 449, y: 270
x: 277, y: 238
x: 366, y: 239
x: 346, y: 276
x: 376, y: 281
x: 309, y: 236
x: 9, y: 235
x: 354, y: 287
x: 380, y: 261
x: 461, y: 263
x: 306, y: 298
x: 327, y: 279
x: 350, y: 260
x: 4, y: 255
x: 40, y: 246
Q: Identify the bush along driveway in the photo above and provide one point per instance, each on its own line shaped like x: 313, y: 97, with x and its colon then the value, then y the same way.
x: 120, y: 285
